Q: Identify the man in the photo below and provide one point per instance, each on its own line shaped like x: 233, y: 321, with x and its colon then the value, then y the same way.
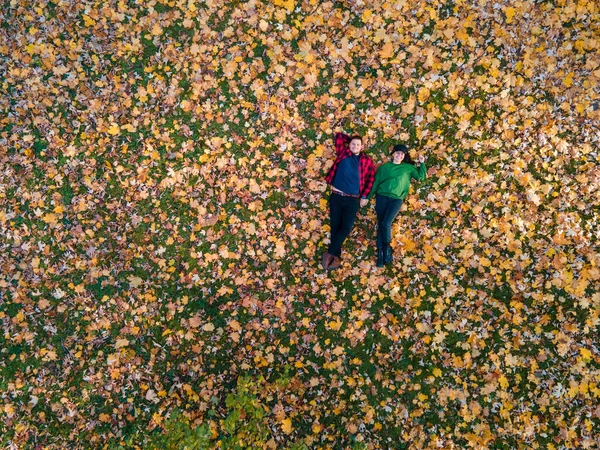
x: 351, y: 178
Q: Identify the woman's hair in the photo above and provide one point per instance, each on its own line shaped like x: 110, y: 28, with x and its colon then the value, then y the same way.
x: 407, y: 159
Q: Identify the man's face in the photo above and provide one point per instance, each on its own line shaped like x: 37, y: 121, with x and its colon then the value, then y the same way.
x: 355, y: 146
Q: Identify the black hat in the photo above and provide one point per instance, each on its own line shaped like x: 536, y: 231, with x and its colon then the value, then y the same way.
x: 400, y: 148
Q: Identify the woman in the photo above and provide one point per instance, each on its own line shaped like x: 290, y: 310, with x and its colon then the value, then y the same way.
x: 392, y: 184
x: 351, y: 178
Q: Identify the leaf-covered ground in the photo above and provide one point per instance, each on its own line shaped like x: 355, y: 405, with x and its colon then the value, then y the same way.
x: 163, y: 210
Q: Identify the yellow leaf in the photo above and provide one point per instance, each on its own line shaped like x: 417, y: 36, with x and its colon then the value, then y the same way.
x: 503, y: 382
x: 286, y: 425
x: 287, y: 4
x: 121, y: 343
x: 568, y: 81
x: 156, y: 30
x: 319, y: 151
x: 407, y: 243
x: 114, y: 129
x: 50, y: 218
x: 335, y: 325
x: 423, y: 94
x: 135, y: 281
x: 387, y: 51
x: 88, y: 21
x: 437, y: 372
x: 279, y: 250
x: 585, y: 353
x: 510, y: 14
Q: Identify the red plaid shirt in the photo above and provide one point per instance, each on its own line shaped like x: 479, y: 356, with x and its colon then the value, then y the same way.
x: 366, y: 168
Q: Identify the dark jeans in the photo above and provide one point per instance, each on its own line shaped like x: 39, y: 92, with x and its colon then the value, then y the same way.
x: 387, y: 209
x: 342, y: 213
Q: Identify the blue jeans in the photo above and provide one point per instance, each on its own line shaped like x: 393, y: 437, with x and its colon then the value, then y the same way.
x: 342, y: 213
x: 387, y: 209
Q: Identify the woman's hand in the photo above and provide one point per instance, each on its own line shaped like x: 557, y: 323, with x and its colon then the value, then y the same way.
x: 364, y: 202
x: 420, y: 159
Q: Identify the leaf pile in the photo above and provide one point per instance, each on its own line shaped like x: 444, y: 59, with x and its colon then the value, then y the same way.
x: 163, y: 210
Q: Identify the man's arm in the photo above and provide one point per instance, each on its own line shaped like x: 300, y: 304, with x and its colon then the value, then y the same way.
x: 341, y: 141
x: 369, y: 178
x: 376, y: 184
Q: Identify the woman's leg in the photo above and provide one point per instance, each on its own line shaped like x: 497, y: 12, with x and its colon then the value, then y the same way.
x: 381, y: 204
x: 348, y: 212
x: 392, y: 210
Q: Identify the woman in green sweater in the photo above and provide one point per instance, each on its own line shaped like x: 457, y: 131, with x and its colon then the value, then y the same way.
x: 391, y: 186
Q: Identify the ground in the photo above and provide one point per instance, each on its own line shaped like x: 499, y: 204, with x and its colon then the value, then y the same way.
x: 163, y: 211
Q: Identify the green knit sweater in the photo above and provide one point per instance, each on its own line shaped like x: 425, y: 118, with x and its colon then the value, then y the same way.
x: 393, y: 180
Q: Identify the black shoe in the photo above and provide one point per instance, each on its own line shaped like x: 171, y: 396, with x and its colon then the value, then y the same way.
x: 387, y: 255
x: 379, y: 257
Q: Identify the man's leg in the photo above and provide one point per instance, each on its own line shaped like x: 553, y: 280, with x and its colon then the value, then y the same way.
x: 335, y: 218
x: 348, y: 215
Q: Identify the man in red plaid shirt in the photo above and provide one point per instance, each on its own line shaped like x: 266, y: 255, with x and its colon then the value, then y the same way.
x: 351, y: 178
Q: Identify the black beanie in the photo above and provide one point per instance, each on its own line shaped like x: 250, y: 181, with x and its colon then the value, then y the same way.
x: 400, y: 148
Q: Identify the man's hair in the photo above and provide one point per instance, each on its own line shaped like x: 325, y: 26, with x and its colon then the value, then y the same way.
x: 356, y: 136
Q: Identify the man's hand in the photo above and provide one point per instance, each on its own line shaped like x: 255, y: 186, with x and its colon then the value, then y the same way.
x: 364, y: 202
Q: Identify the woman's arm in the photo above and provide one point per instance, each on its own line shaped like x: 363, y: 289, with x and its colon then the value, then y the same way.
x: 419, y: 172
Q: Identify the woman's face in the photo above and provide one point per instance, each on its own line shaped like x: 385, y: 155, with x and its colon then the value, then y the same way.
x: 398, y: 157
x: 355, y: 146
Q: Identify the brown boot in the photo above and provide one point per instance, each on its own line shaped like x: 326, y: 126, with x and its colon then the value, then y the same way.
x: 326, y: 260
x: 337, y: 262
